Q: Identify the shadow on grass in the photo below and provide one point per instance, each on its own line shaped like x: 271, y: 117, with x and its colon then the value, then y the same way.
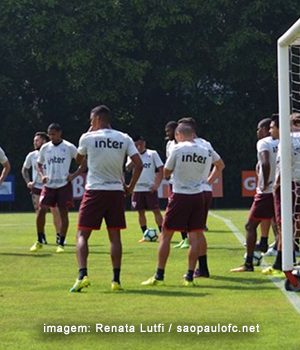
x: 238, y: 279
x: 217, y: 231
x: 30, y: 255
x: 162, y: 292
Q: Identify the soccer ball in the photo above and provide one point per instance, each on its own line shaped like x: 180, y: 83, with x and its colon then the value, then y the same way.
x: 150, y: 235
x: 257, y: 258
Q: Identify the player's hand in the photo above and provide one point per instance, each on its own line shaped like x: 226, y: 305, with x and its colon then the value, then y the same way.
x: 128, y: 190
x: 30, y: 185
x: 44, y: 179
x: 153, y: 188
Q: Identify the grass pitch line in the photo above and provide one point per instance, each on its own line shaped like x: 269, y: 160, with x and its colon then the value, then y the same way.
x: 293, y: 298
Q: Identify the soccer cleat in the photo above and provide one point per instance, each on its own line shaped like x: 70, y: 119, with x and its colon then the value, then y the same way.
x: 179, y: 244
x: 152, y: 281
x: 37, y: 246
x: 187, y: 283
x: 79, y: 284
x: 115, y: 286
x: 199, y: 273
x: 243, y: 268
x: 185, y: 244
x: 60, y: 249
x: 270, y: 271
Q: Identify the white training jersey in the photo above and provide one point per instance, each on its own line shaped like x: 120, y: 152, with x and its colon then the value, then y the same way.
x: 169, y: 147
x: 151, y: 161
x: 215, y: 157
x: 270, y: 145
x: 31, y: 162
x: 3, y: 158
x: 57, y: 159
x: 189, y: 162
x: 106, y: 150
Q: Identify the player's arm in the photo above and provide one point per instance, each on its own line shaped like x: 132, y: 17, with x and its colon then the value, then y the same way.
x: 40, y: 170
x: 158, y: 178
x: 218, y: 167
x: 265, y: 167
x: 137, y: 169
x: 26, y: 176
x: 80, y: 170
x: 5, y: 171
x: 167, y: 173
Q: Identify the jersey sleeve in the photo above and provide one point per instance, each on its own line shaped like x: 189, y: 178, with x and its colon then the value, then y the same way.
x: 28, y: 161
x: 262, y: 146
x: 3, y: 158
x: 73, y: 150
x: 131, y: 149
x: 82, y: 148
x: 215, y: 156
x: 157, y: 161
x: 170, y: 162
x: 41, y: 156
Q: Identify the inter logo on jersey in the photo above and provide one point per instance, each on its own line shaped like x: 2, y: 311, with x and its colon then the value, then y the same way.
x: 108, y: 143
x: 193, y: 158
x: 57, y: 160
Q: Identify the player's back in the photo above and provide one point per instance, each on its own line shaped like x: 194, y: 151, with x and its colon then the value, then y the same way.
x: 106, y: 150
x: 191, y: 161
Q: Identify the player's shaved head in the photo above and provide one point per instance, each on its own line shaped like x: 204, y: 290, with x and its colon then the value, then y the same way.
x: 102, y: 112
x: 264, y: 123
x: 171, y: 125
x: 54, y: 126
x: 43, y: 135
x: 185, y: 130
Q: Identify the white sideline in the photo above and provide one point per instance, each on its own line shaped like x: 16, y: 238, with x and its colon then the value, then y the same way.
x: 293, y: 298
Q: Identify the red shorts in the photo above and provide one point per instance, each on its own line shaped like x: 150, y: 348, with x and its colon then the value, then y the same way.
x: 96, y: 205
x: 185, y: 213
x: 145, y: 200
x: 36, y: 191
x: 262, y: 207
x: 61, y: 197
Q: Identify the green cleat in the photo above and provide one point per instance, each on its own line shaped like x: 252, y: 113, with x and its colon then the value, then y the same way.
x: 185, y: 244
x: 37, y: 246
x: 60, y: 249
x: 187, y: 283
x: 115, y: 286
x: 152, y: 281
x: 79, y: 284
x: 179, y: 244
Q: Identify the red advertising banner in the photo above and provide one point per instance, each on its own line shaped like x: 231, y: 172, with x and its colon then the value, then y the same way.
x: 249, y: 180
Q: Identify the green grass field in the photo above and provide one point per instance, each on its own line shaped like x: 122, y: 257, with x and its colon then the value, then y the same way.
x: 34, y: 292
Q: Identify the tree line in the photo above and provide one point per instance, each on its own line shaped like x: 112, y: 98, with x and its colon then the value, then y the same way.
x: 150, y: 62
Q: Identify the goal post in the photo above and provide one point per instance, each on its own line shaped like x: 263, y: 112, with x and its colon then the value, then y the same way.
x: 285, y: 76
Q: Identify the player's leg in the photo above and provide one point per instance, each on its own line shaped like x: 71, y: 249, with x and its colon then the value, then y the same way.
x: 40, y: 228
x: 263, y: 243
x: 196, y: 241
x: 116, y: 256
x: 82, y: 252
x: 56, y: 222
x: 64, y: 217
x: 142, y: 220
x: 35, y: 196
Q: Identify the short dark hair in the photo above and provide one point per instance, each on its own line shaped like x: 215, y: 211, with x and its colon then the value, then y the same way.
x: 264, y: 123
x: 54, y: 126
x: 188, y: 120
x: 184, y: 129
x: 138, y: 138
x: 171, y: 124
x: 275, y: 119
x: 43, y: 135
x: 102, y: 111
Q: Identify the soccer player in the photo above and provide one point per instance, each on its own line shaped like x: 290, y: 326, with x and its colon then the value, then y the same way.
x: 262, y: 208
x: 57, y: 155
x: 5, y: 166
x: 34, y: 182
x: 186, y: 210
x: 105, y: 149
x: 209, y: 177
x: 145, y: 195
x: 170, y: 128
